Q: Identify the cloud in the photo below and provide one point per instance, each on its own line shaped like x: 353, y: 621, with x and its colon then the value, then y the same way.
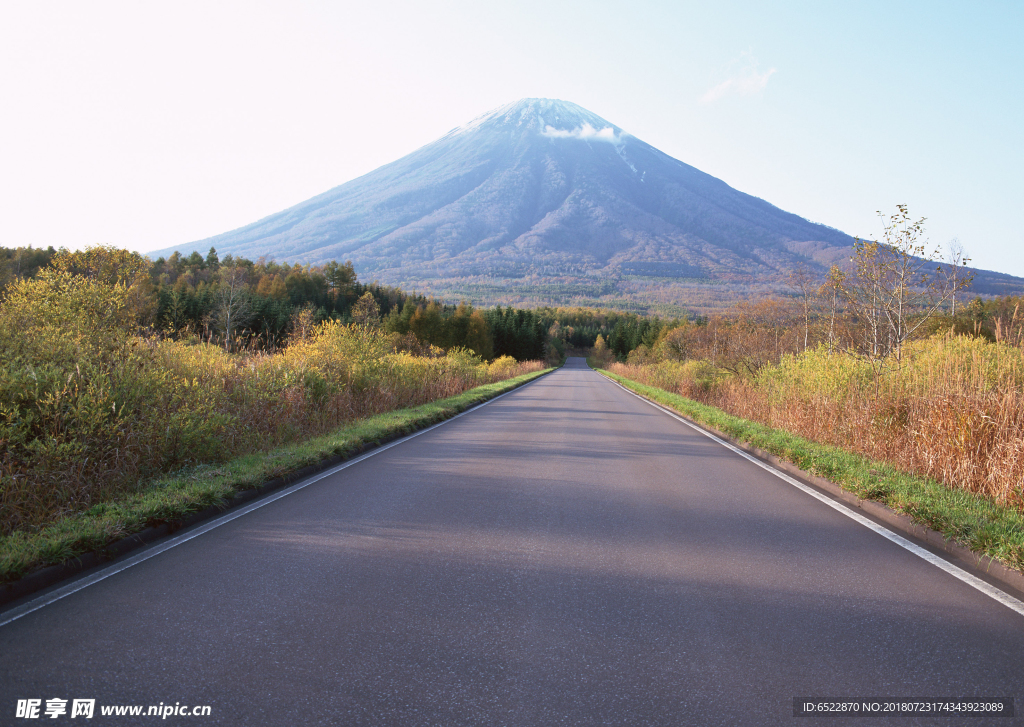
x: 585, y: 132
x: 744, y: 80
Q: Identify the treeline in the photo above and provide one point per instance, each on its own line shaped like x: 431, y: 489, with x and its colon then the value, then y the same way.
x: 22, y: 262
x: 577, y: 329
x: 492, y: 333
x: 259, y: 305
x: 526, y: 334
x: 751, y: 336
x: 256, y: 303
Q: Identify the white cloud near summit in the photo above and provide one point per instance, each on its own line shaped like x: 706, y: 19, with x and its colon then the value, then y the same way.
x: 746, y: 79
x: 585, y: 132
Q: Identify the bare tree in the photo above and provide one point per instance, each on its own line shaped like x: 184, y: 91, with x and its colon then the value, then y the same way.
x: 863, y: 290
x: 231, y: 308
x: 832, y: 288
x: 896, y: 286
x: 956, y: 261
x: 803, y: 281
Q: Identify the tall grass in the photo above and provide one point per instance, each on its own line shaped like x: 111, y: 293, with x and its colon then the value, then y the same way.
x: 953, y: 410
x: 88, y: 410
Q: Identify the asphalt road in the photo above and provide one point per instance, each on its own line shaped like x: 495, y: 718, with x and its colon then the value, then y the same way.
x: 565, y: 555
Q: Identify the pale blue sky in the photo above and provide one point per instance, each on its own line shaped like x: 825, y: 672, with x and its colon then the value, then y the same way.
x: 146, y: 126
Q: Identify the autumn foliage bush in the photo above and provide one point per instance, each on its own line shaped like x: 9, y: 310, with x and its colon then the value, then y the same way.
x: 952, y: 409
x: 89, y: 409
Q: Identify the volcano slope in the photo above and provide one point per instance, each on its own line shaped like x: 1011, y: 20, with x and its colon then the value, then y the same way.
x: 544, y: 201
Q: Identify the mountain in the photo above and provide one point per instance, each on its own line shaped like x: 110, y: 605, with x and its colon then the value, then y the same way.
x: 541, y: 195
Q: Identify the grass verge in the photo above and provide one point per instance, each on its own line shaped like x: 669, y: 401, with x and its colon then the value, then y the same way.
x: 972, y: 520
x: 175, y: 497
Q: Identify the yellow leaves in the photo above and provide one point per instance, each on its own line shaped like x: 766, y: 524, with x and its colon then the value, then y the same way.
x: 501, y: 366
x: 272, y: 286
x: 116, y: 268
x: 61, y: 316
x: 108, y: 265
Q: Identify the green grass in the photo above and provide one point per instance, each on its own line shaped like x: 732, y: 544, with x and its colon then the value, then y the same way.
x: 972, y: 520
x: 175, y: 497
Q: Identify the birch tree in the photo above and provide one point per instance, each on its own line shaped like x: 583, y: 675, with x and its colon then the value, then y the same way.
x: 231, y: 308
x: 802, y: 280
x: 832, y: 289
x: 897, y: 285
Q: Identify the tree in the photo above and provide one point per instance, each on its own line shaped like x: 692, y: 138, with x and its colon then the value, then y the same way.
x: 676, y: 343
x: 602, y: 355
x: 271, y: 286
x: 468, y: 328
x: 61, y: 319
x: 114, y: 266
x: 22, y: 262
x: 176, y: 310
x: 802, y: 280
x: 398, y: 320
x: 832, y: 288
x: 427, y: 324
x: 754, y: 338
x: 231, y: 308
x: 957, y: 261
x: 302, y: 324
x: 366, y: 311
x: 896, y: 285
x: 478, y: 336
x: 339, y: 277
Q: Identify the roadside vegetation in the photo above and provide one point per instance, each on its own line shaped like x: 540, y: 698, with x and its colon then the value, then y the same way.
x: 175, y: 496
x: 95, y: 402
x: 953, y: 410
x: 885, y: 362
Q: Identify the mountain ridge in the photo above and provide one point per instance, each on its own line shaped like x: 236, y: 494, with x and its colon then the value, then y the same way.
x: 539, y: 189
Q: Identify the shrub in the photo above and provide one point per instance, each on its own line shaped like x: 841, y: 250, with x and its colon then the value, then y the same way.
x: 90, y: 410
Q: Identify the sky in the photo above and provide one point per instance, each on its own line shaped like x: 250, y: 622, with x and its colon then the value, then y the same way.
x: 146, y: 125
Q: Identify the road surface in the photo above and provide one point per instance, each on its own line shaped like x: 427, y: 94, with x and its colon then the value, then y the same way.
x: 565, y: 555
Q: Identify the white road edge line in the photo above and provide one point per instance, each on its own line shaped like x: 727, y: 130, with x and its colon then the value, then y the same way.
x: 973, y: 581
x: 56, y: 595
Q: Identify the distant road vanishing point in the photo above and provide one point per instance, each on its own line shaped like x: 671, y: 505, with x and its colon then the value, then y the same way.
x: 566, y: 554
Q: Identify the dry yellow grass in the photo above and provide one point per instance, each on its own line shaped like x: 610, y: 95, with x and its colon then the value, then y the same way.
x: 953, y: 411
